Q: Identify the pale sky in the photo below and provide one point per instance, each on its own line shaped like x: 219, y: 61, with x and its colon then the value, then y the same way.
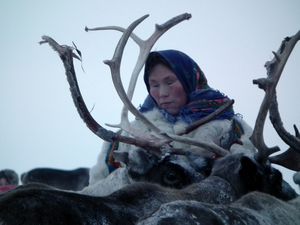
x: 231, y: 41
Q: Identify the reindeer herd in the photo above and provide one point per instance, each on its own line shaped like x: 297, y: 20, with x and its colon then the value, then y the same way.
x: 167, y: 185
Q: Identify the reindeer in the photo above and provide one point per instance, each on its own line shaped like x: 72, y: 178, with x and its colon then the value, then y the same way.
x: 9, y: 179
x: 75, y: 179
x: 254, y: 208
x: 231, y: 177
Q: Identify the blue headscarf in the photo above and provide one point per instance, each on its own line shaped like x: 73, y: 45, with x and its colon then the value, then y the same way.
x: 202, y: 100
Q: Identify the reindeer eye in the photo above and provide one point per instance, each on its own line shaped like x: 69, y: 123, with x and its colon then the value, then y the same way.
x: 171, y: 178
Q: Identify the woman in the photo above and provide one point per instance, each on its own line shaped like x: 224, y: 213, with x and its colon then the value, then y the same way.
x: 178, y: 96
x: 179, y: 88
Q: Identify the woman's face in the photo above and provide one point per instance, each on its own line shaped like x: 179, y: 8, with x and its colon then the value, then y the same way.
x: 166, y: 89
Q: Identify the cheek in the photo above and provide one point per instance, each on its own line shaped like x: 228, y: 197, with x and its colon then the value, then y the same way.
x: 179, y: 94
x: 154, y: 94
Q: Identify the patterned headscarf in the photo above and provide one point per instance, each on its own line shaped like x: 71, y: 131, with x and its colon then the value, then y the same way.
x: 202, y: 100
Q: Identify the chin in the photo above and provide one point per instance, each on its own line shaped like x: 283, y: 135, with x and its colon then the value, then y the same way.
x: 173, y: 112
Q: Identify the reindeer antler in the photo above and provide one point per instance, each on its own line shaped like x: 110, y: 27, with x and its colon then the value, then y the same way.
x: 163, y: 139
x: 290, y: 158
x: 66, y: 54
x: 269, y: 104
x: 114, y: 65
x: 145, y: 47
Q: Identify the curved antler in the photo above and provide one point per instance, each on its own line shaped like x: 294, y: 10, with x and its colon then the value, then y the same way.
x: 145, y: 47
x: 114, y: 65
x: 291, y: 140
x: 290, y: 158
x: 269, y: 104
x: 66, y: 54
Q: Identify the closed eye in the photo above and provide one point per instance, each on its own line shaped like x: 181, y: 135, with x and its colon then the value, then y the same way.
x: 153, y: 84
x: 170, y: 81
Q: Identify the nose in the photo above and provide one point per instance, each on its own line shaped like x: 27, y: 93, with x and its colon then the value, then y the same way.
x: 163, y: 91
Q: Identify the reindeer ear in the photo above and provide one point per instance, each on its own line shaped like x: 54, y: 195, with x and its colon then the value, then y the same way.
x: 249, y: 173
x: 121, y: 156
x: 140, y: 162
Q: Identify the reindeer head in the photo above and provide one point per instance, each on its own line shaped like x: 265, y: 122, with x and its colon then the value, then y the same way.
x: 171, y: 170
x: 245, y: 174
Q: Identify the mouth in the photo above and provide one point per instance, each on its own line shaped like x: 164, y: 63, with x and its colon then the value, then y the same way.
x: 165, y: 105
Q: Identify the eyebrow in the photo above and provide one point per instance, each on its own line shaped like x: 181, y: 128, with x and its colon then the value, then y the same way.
x: 168, y: 77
